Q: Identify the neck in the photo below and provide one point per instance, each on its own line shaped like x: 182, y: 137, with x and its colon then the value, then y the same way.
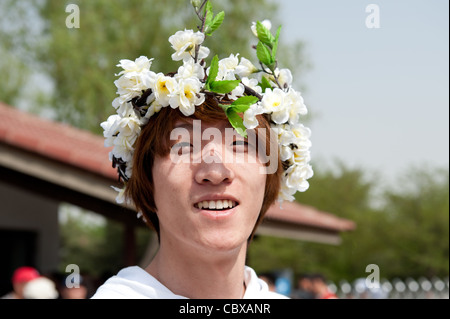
x: 188, y: 273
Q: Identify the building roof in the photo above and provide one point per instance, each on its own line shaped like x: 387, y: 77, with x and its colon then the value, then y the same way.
x: 293, y: 212
x: 85, y: 151
x: 55, y: 140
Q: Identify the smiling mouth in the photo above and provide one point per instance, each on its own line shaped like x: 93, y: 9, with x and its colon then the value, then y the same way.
x: 216, y: 205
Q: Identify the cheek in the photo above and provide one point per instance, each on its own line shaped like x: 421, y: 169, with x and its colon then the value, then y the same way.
x: 171, y: 183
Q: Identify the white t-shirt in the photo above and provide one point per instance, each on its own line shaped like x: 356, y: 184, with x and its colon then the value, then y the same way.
x: 135, y: 283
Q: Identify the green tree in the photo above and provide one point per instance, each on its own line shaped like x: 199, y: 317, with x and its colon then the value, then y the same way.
x: 419, y: 215
x: 17, y: 38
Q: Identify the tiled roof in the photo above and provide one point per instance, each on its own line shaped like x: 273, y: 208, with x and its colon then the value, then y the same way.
x: 55, y: 140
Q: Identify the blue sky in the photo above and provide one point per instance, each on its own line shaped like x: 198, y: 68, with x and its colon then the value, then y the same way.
x: 379, y: 97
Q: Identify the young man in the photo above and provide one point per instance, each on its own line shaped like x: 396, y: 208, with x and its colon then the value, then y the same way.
x: 203, y: 172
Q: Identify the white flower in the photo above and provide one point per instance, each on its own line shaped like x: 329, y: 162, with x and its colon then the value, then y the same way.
x: 110, y: 129
x: 301, y: 132
x: 110, y: 126
x: 129, y: 126
x: 120, y: 198
x: 154, y: 108
x: 273, y: 100
x: 266, y: 23
x: 140, y: 65
x: 124, y: 132
x: 190, y: 69
x: 301, y: 157
x: 252, y: 84
x: 245, y: 68
x: 250, y: 120
x: 129, y: 169
x: 297, y: 137
x: 285, y: 77
x: 237, y: 92
x: 135, y: 78
x: 273, y: 103
x: 185, y: 42
x: 124, y: 108
x: 187, y: 96
x: 164, y: 87
x: 297, y: 176
x: 131, y: 85
x: 296, y: 105
x: 123, y: 147
x: 286, y: 154
x: 227, y: 68
x: 286, y: 193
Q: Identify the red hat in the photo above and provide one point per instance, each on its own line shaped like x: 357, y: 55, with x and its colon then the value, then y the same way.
x: 25, y: 274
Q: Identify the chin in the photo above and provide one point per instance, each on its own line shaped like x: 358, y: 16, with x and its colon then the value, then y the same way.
x: 225, y: 241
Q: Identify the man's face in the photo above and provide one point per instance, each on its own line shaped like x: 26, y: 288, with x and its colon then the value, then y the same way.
x: 207, y: 199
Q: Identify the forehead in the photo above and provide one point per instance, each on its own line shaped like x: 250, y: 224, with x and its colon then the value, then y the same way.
x: 191, y: 124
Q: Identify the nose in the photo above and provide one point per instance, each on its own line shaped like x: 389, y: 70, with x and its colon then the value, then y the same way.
x: 212, y: 169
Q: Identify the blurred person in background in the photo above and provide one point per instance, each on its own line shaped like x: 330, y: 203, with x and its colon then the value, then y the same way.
x: 320, y: 287
x: 305, y: 289
x: 40, y: 288
x: 269, y: 279
x: 20, y: 278
x: 78, y: 291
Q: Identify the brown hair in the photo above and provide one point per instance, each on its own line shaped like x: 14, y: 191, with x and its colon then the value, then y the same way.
x: 154, y: 140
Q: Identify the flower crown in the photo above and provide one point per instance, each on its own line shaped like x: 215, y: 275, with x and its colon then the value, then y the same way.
x: 268, y: 90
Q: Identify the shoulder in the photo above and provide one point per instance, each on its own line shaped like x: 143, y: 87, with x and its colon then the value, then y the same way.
x: 133, y: 283
x: 257, y: 288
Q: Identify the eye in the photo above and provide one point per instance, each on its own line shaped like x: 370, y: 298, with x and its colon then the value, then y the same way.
x: 240, y: 145
x: 182, y: 148
x: 183, y: 144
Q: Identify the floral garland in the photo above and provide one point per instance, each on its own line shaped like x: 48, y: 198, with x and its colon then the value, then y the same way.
x: 267, y: 90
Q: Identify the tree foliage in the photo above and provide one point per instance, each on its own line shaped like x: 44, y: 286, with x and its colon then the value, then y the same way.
x: 406, y: 234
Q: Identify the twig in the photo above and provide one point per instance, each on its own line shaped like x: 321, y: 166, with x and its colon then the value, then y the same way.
x: 250, y: 91
x: 202, y: 28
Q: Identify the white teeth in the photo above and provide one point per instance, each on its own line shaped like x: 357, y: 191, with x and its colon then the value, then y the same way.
x: 216, y: 205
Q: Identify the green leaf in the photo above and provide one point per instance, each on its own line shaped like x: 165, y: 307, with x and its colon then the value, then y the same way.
x: 243, y: 104
x: 275, y: 46
x: 215, y: 23
x: 240, y: 108
x: 209, y: 13
x: 265, y: 84
x: 246, y: 100
x: 213, y: 72
x: 223, y: 87
x: 264, y: 35
x: 264, y: 55
x: 237, y: 122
